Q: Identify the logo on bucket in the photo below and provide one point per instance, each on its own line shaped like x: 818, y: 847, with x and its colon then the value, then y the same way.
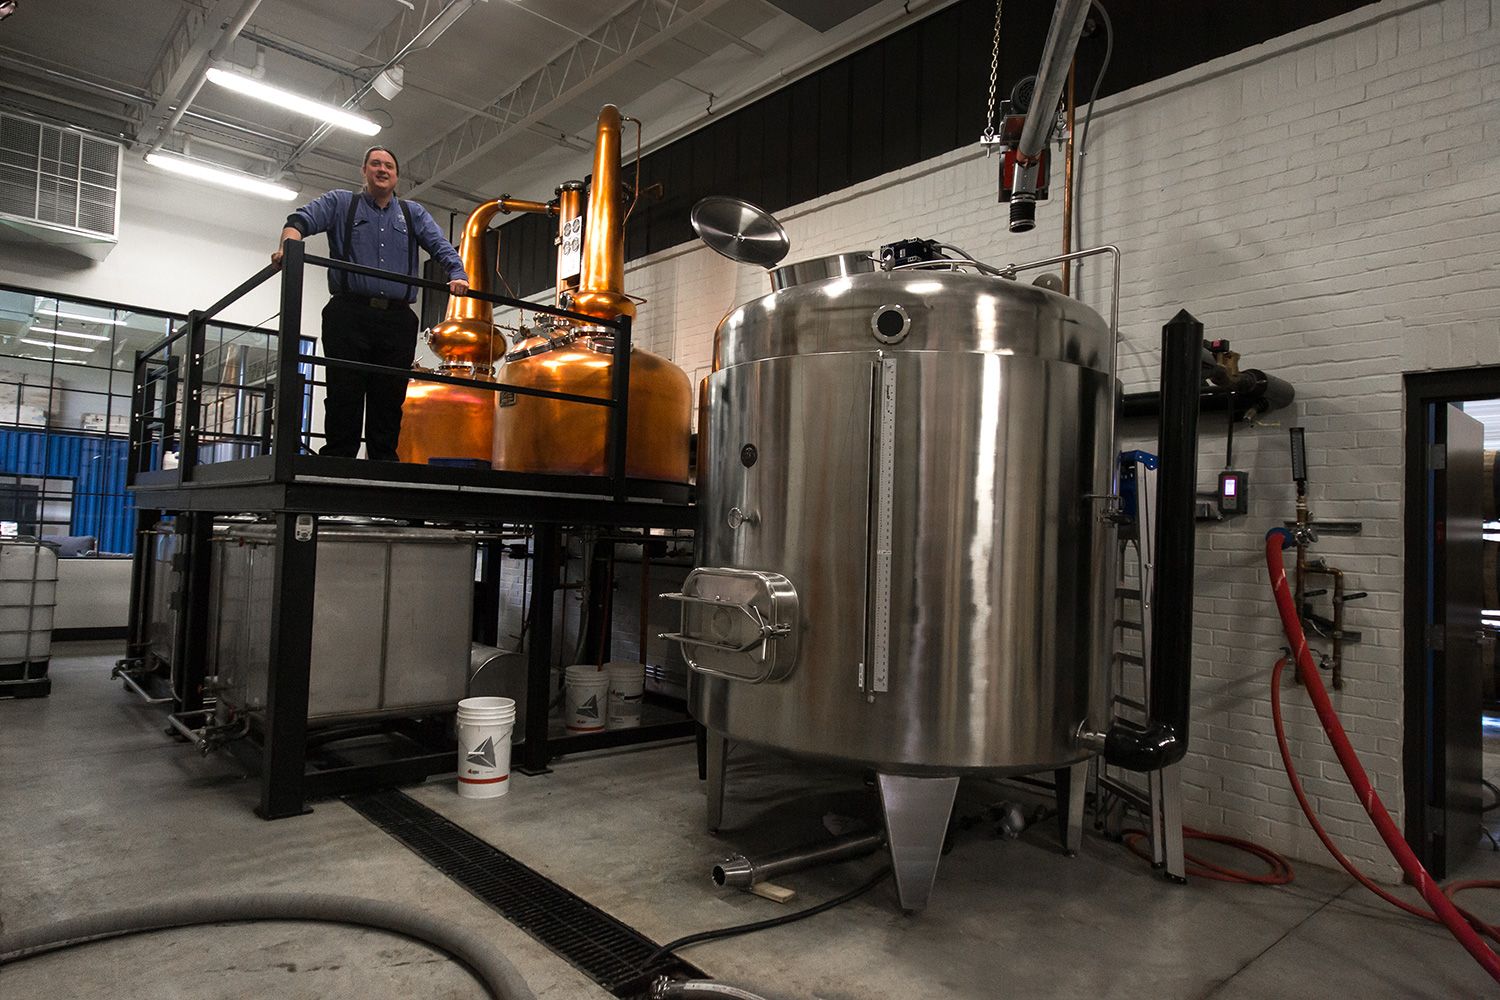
x: 590, y: 708
x: 484, y: 753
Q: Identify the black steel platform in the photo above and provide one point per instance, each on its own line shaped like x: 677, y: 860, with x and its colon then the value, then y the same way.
x: 278, y: 479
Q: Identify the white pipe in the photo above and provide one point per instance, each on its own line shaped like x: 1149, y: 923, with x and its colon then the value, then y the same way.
x: 231, y: 32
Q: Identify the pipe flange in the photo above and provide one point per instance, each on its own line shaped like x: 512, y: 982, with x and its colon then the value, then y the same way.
x: 890, y: 324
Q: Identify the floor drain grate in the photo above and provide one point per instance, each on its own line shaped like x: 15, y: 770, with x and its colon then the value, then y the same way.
x: 609, y: 952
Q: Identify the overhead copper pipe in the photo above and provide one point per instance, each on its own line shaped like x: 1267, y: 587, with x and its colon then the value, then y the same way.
x: 601, y: 292
x: 465, y: 336
x: 471, y: 250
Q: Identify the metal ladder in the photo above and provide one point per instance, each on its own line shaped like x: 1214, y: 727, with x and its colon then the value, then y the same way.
x: 1161, y: 799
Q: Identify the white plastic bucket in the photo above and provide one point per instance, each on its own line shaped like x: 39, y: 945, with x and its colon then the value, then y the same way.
x: 586, y: 698
x: 484, y: 726
x: 627, y: 683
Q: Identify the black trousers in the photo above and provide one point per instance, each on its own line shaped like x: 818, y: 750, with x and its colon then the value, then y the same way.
x: 356, y: 331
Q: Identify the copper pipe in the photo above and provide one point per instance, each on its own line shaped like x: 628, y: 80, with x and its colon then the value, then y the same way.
x: 1067, y: 244
x: 466, y: 334
x: 471, y: 251
x: 601, y: 292
x: 569, y: 207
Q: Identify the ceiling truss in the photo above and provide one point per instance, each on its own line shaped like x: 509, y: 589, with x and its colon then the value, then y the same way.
x: 627, y: 36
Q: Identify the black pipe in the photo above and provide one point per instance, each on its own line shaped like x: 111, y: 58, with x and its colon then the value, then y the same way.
x: 1253, y: 392
x: 1163, y: 740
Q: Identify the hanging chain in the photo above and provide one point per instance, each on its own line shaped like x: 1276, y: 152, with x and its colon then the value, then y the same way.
x: 989, y: 137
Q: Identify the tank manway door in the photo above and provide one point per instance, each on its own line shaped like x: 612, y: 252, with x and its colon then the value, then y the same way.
x: 738, y: 624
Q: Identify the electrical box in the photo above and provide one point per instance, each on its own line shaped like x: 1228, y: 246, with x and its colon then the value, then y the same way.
x: 1232, y: 493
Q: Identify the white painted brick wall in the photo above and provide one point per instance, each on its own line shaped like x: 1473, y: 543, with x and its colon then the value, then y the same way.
x: 1329, y: 201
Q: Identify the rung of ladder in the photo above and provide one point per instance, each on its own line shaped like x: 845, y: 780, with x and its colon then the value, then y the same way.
x: 1131, y: 658
x: 1126, y: 623
x: 1139, y: 706
x: 1129, y: 593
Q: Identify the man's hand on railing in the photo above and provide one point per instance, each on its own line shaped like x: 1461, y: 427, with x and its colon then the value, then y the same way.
x: 286, y: 234
x: 458, y: 286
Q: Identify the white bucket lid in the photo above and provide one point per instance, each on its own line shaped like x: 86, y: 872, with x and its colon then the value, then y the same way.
x: 584, y: 673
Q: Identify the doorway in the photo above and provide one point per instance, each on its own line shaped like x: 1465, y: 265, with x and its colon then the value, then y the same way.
x: 1452, y: 423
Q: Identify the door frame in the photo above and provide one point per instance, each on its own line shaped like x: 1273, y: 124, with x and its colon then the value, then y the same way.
x: 1422, y: 390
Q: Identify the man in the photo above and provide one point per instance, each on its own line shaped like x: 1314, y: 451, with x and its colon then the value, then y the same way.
x: 371, y: 319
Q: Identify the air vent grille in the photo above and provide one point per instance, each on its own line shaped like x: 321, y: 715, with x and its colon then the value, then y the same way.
x: 59, y: 176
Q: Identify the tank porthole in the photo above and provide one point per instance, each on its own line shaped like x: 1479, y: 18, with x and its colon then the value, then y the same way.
x: 890, y: 324
x: 749, y: 455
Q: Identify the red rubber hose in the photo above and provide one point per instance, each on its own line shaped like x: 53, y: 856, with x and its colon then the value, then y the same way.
x: 1279, y: 869
x: 1307, y: 810
x: 1441, y: 905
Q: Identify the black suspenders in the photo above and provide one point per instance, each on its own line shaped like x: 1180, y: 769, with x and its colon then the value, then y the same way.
x: 348, y: 241
x: 411, y: 240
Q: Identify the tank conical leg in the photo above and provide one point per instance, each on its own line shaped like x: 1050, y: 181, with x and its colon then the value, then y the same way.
x: 916, y: 824
x: 1072, y: 783
x: 718, y: 752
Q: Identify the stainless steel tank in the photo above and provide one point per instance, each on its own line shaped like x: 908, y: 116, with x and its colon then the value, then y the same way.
x: 905, y: 563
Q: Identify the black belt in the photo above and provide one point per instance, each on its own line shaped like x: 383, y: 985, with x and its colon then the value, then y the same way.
x: 373, y: 303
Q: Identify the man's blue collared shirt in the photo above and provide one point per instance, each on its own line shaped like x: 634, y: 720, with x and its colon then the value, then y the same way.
x: 379, y: 240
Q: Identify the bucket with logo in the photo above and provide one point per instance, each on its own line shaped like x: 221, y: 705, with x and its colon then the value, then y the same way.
x: 586, y: 698
x: 484, y: 727
x: 627, y: 685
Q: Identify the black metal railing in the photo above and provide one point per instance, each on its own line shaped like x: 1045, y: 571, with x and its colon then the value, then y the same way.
x: 170, y: 384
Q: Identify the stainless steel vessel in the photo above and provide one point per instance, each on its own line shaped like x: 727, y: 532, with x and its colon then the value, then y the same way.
x: 392, y: 611
x: 905, y: 562
x: 162, y: 543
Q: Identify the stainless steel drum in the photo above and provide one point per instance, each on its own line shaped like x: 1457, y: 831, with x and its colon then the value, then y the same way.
x: 905, y: 562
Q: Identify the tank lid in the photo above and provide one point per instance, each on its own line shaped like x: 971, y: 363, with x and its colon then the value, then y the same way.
x: 740, y: 231
x: 839, y: 265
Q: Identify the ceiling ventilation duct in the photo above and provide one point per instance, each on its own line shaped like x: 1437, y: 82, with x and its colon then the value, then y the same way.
x: 58, y: 186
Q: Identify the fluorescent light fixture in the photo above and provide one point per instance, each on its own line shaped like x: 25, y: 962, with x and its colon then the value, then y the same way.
x: 51, y: 361
x: 251, y: 87
x: 80, y: 317
x: 60, y: 347
x: 69, y: 333
x: 218, y: 175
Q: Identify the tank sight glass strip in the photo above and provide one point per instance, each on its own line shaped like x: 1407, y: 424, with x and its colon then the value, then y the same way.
x: 885, y: 487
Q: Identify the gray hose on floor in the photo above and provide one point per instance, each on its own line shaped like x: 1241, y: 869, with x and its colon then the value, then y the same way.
x: 492, y: 969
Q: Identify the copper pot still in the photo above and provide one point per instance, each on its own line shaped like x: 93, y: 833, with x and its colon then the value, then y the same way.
x: 455, y: 421
x: 541, y: 435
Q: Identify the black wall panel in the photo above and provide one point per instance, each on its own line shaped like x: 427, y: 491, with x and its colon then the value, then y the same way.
x: 909, y: 97
x: 776, y: 148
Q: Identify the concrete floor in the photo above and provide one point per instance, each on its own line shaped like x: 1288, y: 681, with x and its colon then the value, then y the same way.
x: 99, y: 809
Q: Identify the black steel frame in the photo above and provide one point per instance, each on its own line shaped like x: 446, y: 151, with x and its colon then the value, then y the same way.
x: 295, y: 490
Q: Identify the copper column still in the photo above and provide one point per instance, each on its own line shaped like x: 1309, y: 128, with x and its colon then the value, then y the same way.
x: 457, y: 421
x: 545, y: 435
